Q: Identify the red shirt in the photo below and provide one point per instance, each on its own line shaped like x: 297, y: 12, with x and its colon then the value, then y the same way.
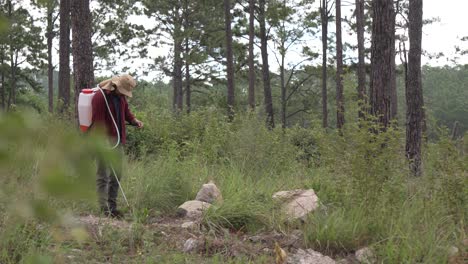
x: 101, y: 117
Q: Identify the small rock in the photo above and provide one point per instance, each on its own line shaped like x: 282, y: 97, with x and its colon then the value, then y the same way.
x: 297, y: 203
x: 192, y: 209
x: 453, y: 251
x: 465, y: 242
x: 189, y: 225
x: 298, y: 233
x: 309, y: 256
x: 256, y: 239
x: 365, y: 256
x: 209, y: 193
x: 190, y: 245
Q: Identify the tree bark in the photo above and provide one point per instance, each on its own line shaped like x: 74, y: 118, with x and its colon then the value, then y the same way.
x: 82, y: 48
x: 339, y: 70
x: 187, y: 79
x: 188, y: 91
x: 50, y: 66
x: 178, y: 63
x: 229, y: 60
x: 393, y: 87
x: 324, y: 19
x: 251, y: 54
x: 383, y: 33
x: 13, y: 68
x: 283, y: 87
x: 2, y: 80
x: 64, y: 55
x: 414, y: 93
x: 265, y: 67
x: 361, y: 57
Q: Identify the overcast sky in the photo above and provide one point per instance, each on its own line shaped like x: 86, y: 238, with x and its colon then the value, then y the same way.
x: 443, y: 36
x: 439, y: 37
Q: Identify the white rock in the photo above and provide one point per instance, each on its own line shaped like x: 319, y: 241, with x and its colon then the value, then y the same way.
x: 453, y: 251
x: 209, y: 193
x: 365, y: 256
x: 192, y: 209
x: 189, y: 225
x: 297, y: 203
x: 190, y: 245
x: 309, y: 256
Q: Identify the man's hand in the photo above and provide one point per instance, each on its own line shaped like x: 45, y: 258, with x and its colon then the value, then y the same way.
x: 138, y: 123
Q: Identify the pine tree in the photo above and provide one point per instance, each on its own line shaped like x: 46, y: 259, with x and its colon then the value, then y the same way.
x: 383, y: 34
x: 414, y: 92
x: 64, y: 55
x: 83, y: 70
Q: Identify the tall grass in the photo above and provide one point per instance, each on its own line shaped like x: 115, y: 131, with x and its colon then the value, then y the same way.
x: 361, y: 178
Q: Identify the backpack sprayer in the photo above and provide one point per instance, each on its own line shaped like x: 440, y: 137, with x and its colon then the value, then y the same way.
x: 85, y: 112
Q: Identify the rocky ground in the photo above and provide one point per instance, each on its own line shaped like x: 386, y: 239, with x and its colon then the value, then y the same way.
x: 187, y: 234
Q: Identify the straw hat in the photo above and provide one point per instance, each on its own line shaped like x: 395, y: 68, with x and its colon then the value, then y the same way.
x: 123, y: 83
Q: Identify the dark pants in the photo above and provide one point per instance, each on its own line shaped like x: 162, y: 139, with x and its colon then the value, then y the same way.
x: 107, y: 184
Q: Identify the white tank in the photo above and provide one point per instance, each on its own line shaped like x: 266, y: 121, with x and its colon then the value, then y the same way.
x: 85, y: 109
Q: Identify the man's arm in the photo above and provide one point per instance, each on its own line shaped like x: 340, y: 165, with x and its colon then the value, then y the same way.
x: 129, y: 117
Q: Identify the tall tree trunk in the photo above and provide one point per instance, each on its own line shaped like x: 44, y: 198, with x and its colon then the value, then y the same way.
x: 393, y: 87
x: 283, y: 87
x: 50, y: 66
x: 187, y: 77
x: 265, y: 67
x: 13, y: 65
x: 82, y: 49
x: 383, y: 32
x: 324, y: 19
x: 64, y: 55
x: 188, y: 96
x: 339, y: 70
x: 361, y: 56
x: 251, y: 54
x: 414, y: 93
x: 2, y: 80
x: 229, y: 59
x: 178, y: 63
x: 11, y: 82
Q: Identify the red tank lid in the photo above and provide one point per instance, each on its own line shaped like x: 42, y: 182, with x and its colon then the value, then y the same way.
x: 87, y: 91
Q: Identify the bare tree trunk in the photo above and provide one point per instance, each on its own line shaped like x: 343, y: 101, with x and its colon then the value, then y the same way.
x: 383, y: 33
x: 393, y: 87
x: 265, y: 67
x: 324, y: 19
x: 187, y: 78
x: 339, y: 70
x: 50, y: 66
x: 187, y: 59
x: 283, y: 88
x: 12, y: 69
x: 414, y: 94
x: 64, y: 55
x: 361, y: 56
x: 82, y: 49
x: 251, y: 54
x: 2, y: 80
x: 229, y: 60
x: 178, y: 63
x: 13, y: 65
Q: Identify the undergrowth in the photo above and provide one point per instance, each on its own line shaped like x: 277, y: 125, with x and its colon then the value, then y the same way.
x: 367, y: 196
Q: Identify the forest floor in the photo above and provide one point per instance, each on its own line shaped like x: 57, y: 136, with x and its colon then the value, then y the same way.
x: 184, y: 240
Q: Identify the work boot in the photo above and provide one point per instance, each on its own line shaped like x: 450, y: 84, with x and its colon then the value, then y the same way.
x: 114, y: 213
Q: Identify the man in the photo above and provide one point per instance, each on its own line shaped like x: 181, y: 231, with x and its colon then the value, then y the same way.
x: 116, y: 90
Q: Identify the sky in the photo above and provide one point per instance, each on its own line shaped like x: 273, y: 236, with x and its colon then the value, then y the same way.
x: 444, y: 35
x: 439, y: 37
